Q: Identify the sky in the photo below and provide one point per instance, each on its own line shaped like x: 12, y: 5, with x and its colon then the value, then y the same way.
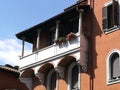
x: 19, y: 15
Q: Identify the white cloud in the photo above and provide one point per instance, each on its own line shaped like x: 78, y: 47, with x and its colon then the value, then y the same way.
x: 10, y: 50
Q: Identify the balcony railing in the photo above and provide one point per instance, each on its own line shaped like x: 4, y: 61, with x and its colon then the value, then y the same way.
x: 56, y: 50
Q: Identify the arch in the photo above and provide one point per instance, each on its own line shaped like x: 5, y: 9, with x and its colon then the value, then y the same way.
x: 66, y: 61
x: 44, y: 68
x: 45, y: 73
x: 52, y: 80
x: 27, y: 78
x: 70, y: 70
x: 41, y: 75
x: 112, y: 58
x: 27, y: 73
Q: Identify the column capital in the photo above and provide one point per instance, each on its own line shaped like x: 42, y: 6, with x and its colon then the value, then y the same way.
x: 39, y: 30
x: 80, y: 10
x: 83, y: 65
x: 60, y: 71
x: 84, y: 68
x: 23, y: 38
x: 57, y: 21
x: 40, y: 76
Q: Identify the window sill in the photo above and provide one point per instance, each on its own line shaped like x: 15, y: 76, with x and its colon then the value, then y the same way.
x: 113, y: 81
x: 115, y: 28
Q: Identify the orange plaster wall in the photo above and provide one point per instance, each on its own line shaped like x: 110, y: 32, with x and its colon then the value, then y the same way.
x: 62, y: 84
x: 101, y: 45
x: 39, y: 87
x: 84, y: 81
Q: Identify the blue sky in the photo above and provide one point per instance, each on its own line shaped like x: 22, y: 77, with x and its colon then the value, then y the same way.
x: 18, y: 15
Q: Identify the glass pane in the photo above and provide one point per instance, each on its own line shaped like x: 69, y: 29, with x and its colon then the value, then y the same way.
x: 74, y: 81
x: 115, y: 72
x: 53, y: 81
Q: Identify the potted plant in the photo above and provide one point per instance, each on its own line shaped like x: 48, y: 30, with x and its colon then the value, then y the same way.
x: 71, y: 36
x: 60, y: 40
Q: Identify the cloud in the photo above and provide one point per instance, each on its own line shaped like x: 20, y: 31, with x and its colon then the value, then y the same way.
x: 10, y: 50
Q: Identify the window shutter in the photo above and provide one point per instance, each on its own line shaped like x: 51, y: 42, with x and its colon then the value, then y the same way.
x: 115, y: 13
x: 104, y: 19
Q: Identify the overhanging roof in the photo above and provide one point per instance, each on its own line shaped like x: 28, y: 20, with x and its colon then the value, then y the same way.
x: 5, y: 68
x: 68, y: 13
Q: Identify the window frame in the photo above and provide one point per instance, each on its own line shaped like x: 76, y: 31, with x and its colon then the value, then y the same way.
x: 115, y: 27
x: 49, y: 79
x: 70, y: 75
x: 110, y: 81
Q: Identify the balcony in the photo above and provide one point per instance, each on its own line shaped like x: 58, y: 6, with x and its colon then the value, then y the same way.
x: 54, y: 51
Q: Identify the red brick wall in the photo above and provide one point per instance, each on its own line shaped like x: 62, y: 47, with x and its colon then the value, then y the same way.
x: 9, y: 80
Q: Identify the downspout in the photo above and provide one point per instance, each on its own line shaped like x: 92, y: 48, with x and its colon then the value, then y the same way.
x: 91, y: 46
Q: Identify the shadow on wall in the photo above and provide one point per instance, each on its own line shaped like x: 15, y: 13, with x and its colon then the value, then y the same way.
x: 92, y: 62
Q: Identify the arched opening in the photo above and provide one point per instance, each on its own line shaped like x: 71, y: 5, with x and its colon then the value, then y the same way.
x: 52, y: 80
x: 74, y: 76
x: 48, y: 76
x: 27, y: 78
x: 70, y: 73
x: 114, y: 68
x: 113, y: 65
x: 66, y: 61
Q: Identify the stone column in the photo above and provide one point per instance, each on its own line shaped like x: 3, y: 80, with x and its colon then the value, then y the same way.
x: 80, y: 22
x: 38, y: 39
x: 57, y: 30
x: 27, y: 81
x: 23, y: 45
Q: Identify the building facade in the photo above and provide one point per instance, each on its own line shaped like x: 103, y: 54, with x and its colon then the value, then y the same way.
x: 9, y: 79
x: 77, y: 49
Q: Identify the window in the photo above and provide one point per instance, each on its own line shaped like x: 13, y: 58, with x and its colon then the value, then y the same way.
x: 52, y: 80
x: 115, y: 70
x: 74, y: 77
x: 113, y: 67
x: 110, y: 17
